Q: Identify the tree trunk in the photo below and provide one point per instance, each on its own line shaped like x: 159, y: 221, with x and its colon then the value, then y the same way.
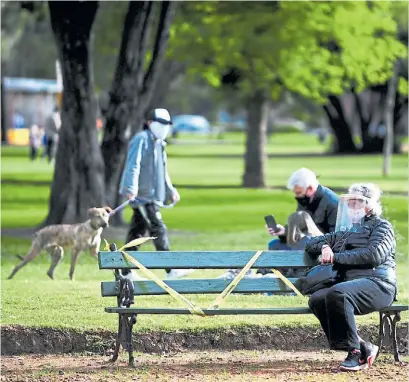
x: 375, y: 103
x: 3, y: 115
x: 148, y: 86
x: 389, y: 119
x: 170, y: 71
x: 78, y: 176
x: 344, y: 142
x: 132, y: 88
x: 255, y: 157
x: 128, y: 70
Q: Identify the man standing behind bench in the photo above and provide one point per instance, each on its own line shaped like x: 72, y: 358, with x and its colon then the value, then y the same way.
x: 145, y: 175
x: 319, y: 201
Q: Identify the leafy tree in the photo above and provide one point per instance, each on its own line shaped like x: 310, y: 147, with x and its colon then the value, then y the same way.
x: 318, y: 50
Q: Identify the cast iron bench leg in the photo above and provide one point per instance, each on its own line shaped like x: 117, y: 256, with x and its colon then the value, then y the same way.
x: 395, y: 320
x: 386, y: 321
x: 131, y: 322
x: 118, y: 340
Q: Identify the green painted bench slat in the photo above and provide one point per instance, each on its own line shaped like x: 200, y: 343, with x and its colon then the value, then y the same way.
x: 200, y: 286
x: 395, y: 308
x: 206, y: 259
x: 226, y: 311
x: 210, y: 312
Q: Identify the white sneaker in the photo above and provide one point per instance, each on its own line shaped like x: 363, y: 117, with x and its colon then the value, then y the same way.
x: 270, y: 275
x: 232, y: 273
x: 177, y: 273
x: 133, y: 276
x: 229, y: 275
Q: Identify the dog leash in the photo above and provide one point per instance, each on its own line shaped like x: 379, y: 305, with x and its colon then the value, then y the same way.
x: 140, y: 201
x: 120, y: 207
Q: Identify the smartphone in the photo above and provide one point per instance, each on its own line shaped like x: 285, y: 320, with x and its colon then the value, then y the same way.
x: 271, y: 222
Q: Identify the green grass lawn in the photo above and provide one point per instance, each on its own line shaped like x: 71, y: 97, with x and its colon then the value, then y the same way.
x: 205, y: 219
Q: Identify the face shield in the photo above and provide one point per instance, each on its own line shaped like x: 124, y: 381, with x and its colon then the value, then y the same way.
x: 351, y: 212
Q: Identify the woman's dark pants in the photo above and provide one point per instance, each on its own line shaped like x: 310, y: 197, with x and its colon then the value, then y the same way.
x: 335, y: 308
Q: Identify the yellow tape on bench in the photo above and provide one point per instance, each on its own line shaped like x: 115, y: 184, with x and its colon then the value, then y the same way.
x: 151, y: 276
x: 286, y: 281
x: 216, y: 304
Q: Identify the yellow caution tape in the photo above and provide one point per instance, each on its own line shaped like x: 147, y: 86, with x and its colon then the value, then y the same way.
x: 106, y: 248
x: 150, y: 275
x: 136, y: 242
x: 286, y: 282
x: 216, y: 304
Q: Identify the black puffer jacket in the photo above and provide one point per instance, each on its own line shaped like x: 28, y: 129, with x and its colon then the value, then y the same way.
x: 368, y: 253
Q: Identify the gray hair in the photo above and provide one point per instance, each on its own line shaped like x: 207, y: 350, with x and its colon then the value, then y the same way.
x: 372, y: 192
x: 302, y: 178
x: 300, y: 224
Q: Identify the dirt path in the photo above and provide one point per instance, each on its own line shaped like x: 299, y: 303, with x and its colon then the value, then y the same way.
x: 198, y: 366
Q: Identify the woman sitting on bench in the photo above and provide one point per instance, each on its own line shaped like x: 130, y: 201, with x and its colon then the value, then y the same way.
x: 362, y: 249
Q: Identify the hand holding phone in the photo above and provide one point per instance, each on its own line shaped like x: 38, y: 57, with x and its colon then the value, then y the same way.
x: 271, y: 222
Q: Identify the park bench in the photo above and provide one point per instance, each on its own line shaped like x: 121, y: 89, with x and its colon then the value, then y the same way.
x: 114, y: 260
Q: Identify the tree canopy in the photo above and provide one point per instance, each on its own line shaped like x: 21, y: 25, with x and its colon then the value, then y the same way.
x: 314, y: 49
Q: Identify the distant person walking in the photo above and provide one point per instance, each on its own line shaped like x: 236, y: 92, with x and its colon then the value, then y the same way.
x: 35, y: 140
x: 52, y: 127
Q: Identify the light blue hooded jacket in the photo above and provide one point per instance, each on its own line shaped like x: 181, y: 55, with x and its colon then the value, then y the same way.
x: 145, y: 173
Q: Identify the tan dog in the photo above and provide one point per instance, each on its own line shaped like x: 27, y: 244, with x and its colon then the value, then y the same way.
x: 78, y: 237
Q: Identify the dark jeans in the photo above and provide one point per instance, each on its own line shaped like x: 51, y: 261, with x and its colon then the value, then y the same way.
x: 335, y: 308
x: 49, y: 149
x: 148, y: 219
x: 33, y: 152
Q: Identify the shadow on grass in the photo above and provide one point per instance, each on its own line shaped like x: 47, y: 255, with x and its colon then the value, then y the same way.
x: 191, y: 186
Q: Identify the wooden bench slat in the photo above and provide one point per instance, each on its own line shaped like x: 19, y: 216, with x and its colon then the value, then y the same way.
x: 395, y: 308
x: 209, y: 311
x: 231, y: 311
x: 206, y: 259
x: 200, y: 286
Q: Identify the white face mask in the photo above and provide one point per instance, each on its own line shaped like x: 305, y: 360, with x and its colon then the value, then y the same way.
x: 356, y: 214
x: 159, y: 130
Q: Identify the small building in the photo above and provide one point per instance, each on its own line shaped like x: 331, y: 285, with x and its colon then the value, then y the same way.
x: 27, y: 101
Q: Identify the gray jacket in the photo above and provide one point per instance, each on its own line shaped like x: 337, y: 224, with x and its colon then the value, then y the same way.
x: 145, y: 174
x: 51, y: 128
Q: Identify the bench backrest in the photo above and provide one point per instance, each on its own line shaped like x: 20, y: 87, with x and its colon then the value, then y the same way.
x: 204, y: 260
